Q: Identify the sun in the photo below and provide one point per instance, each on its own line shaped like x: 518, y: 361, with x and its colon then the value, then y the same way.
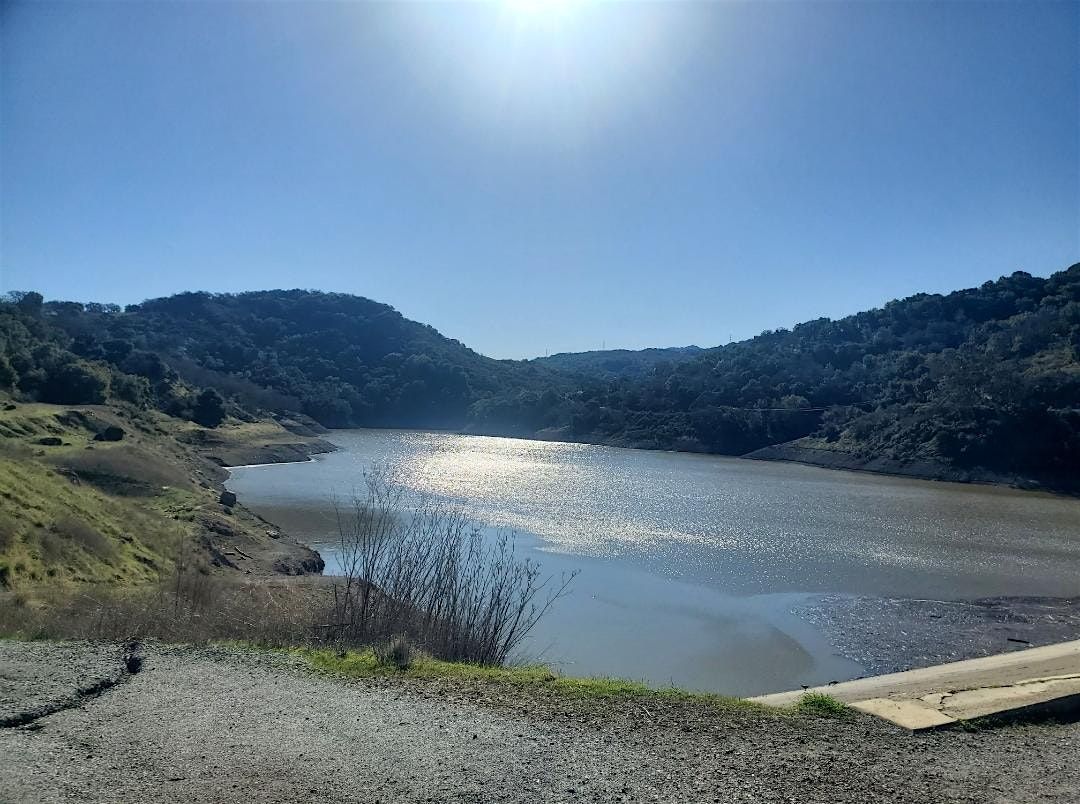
x: 540, y: 9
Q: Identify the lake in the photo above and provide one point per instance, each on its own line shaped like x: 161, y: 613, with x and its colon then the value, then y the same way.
x: 691, y: 565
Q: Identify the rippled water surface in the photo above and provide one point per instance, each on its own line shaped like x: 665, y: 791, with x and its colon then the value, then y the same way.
x: 691, y: 564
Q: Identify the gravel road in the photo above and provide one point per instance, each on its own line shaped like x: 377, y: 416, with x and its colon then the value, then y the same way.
x: 213, y: 725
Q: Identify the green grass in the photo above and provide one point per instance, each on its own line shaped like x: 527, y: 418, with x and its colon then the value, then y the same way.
x: 822, y: 705
x: 363, y: 664
x: 55, y: 530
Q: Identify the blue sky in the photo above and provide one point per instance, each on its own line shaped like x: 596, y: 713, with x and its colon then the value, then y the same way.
x: 535, y: 177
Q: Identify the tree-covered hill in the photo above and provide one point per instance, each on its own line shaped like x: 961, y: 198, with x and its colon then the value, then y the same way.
x: 343, y: 360
x: 618, y: 362
x: 985, y: 378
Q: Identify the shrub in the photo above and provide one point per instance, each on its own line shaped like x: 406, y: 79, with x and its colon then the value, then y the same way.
x: 396, y: 652
x: 131, y: 388
x: 822, y: 705
x: 425, y: 572
x: 8, y: 532
x: 8, y: 375
x: 209, y: 410
x: 53, y: 547
x: 77, y: 383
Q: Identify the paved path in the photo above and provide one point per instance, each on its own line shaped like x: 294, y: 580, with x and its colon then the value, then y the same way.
x: 935, y: 696
x: 220, y: 726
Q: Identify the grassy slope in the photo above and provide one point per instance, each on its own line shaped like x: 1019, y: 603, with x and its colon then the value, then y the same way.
x: 98, y: 512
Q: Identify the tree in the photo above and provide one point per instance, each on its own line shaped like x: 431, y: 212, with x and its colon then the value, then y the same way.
x: 78, y: 383
x: 209, y: 408
x: 8, y: 376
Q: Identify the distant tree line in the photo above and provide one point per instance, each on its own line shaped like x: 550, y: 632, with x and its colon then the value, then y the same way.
x: 988, y: 376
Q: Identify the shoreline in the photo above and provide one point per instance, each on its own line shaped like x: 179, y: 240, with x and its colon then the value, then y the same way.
x: 890, y: 635
x: 930, y: 470
x: 793, y: 452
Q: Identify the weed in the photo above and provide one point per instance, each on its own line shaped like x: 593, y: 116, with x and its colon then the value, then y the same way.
x: 822, y: 705
x: 396, y: 652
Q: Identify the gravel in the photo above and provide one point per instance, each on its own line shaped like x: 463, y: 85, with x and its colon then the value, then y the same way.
x: 38, y: 677
x: 215, y: 725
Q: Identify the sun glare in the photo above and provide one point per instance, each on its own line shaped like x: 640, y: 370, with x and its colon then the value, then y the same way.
x: 539, y: 6
x: 551, y: 72
x: 540, y: 9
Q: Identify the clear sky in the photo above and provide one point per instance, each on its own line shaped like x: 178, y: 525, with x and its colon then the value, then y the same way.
x: 533, y: 177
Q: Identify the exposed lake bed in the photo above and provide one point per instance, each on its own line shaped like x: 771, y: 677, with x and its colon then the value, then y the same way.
x: 714, y: 573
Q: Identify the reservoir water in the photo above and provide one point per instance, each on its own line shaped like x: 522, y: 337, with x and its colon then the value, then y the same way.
x: 690, y: 565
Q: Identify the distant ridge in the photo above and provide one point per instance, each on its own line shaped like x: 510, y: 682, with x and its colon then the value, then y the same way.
x: 617, y: 362
x: 982, y: 383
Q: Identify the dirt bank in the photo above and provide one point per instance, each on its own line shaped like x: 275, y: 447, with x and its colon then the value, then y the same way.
x: 813, y: 453
x: 224, y: 726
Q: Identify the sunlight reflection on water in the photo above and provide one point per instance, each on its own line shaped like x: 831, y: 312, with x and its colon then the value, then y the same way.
x: 691, y: 564
x: 754, y: 526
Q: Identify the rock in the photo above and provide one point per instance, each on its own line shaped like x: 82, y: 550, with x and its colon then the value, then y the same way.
x: 227, y: 498
x: 10, y: 406
x: 305, y: 564
x: 50, y: 441
x: 110, y: 433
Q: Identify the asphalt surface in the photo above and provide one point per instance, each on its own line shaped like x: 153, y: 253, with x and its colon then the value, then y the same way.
x: 213, y: 725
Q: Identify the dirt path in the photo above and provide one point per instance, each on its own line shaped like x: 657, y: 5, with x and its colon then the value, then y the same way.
x: 221, y: 726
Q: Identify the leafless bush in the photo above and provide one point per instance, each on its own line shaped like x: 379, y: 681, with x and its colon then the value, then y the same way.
x: 427, y: 572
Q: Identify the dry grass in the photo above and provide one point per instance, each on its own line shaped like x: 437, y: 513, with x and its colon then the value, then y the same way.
x: 81, y: 534
x: 396, y: 652
x: 192, y: 607
x: 124, y: 470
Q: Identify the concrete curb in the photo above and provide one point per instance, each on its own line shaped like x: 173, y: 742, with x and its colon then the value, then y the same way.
x: 1023, y: 682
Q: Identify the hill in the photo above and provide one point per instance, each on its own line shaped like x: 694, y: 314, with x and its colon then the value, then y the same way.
x: 81, y: 507
x: 983, y: 383
x: 617, y: 362
x: 980, y: 380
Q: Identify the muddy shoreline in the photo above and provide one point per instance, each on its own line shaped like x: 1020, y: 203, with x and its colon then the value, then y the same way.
x: 825, y: 458
x: 888, y: 635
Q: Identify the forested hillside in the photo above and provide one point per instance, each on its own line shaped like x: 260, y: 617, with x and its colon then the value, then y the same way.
x: 984, y: 377
x: 344, y: 360
x: 618, y: 362
x: 987, y: 377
